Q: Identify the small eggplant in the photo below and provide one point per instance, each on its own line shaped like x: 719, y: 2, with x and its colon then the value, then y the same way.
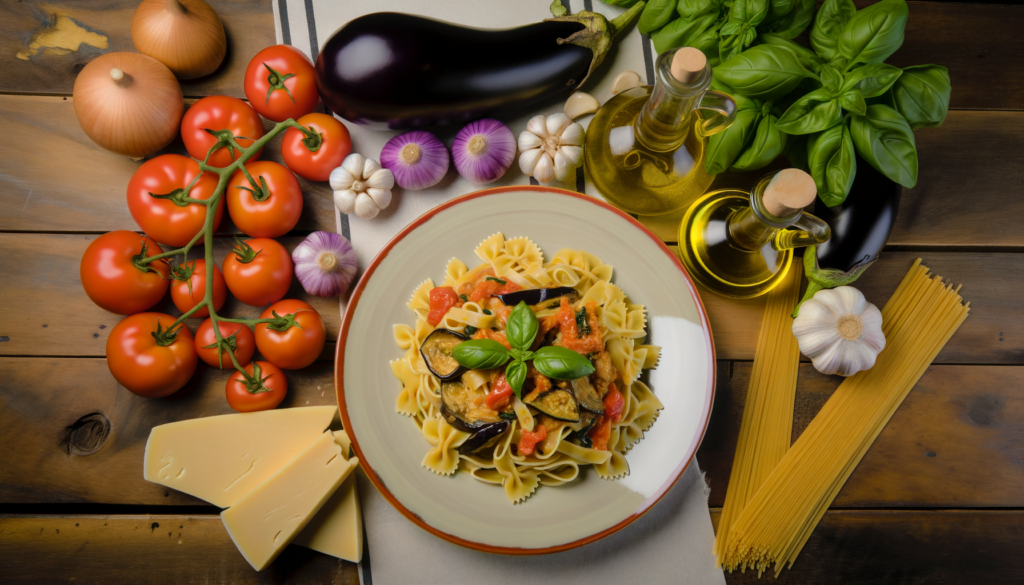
x: 860, y: 227
x: 464, y: 408
x: 534, y: 296
x: 483, y: 437
x: 587, y: 396
x: 557, y: 403
x: 437, y: 353
x: 396, y: 71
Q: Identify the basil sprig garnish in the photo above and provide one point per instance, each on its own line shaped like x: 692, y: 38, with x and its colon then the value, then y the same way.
x: 521, y: 331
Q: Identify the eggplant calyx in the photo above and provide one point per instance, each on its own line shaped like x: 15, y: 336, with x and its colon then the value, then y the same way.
x: 819, y: 278
x: 598, y: 33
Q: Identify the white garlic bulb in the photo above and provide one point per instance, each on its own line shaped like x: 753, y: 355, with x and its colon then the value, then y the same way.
x: 840, y: 331
x: 361, y: 186
x: 551, y: 147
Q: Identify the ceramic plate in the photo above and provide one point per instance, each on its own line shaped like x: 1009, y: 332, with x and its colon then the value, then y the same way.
x: 459, y: 508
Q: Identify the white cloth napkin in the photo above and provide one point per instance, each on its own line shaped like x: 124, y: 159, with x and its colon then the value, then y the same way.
x: 673, y: 542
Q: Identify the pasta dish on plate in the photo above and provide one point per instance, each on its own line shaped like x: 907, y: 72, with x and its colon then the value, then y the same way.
x: 519, y: 371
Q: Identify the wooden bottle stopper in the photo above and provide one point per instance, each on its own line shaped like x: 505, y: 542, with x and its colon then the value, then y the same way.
x: 789, y: 191
x: 687, y: 64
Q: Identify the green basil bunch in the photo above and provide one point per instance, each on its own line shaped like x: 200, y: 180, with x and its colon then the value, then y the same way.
x: 840, y: 99
x: 521, y: 331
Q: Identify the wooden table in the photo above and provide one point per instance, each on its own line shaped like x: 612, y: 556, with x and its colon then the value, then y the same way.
x: 939, y: 498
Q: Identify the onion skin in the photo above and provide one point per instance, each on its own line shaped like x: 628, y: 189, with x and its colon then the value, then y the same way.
x: 185, y: 35
x: 134, y: 116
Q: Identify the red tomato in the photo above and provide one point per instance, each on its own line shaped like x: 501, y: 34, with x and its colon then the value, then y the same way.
x: 220, y: 113
x: 600, y: 434
x: 295, y: 347
x: 269, y: 208
x: 156, y: 199
x: 258, y: 271
x: 315, y: 159
x: 265, y: 389
x: 112, y: 279
x: 528, y: 440
x: 500, y: 394
x: 146, y: 365
x: 235, y: 334
x: 442, y: 298
x: 613, y: 403
x: 189, y: 287
x: 280, y: 83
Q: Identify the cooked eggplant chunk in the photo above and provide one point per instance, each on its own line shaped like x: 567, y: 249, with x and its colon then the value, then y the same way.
x: 587, y: 395
x: 556, y: 403
x: 485, y: 436
x: 437, y: 353
x: 534, y: 296
x: 464, y: 408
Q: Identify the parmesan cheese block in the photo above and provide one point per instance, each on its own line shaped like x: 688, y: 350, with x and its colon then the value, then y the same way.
x: 337, y: 529
x: 222, y: 458
x: 264, y: 521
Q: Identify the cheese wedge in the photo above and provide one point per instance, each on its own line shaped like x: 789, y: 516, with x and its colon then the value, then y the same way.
x: 337, y: 529
x: 222, y: 458
x: 265, y: 520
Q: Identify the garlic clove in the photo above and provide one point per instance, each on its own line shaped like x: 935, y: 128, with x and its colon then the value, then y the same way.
x: 545, y: 169
x: 365, y: 207
x: 341, y: 179
x: 381, y: 179
x: 572, y: 135
x: 382, y: 197
x: 625, y: 80
x: 537, y: 126
x: 564, y: 168
x: 369, y: 168
x: 528, y: 160
x: 528, y: 140
x: 580, y: 103
x: 573, y: 153
x: 345, y: 200
x: 354, y: 164
x: 555, y: 123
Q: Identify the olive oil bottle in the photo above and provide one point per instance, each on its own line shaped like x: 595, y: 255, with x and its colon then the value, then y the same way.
x: 645, y: 147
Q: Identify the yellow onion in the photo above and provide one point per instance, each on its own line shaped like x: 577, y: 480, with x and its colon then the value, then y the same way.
x: 128, y: 103
x: 185, y: 35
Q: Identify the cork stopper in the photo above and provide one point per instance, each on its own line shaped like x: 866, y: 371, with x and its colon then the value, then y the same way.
x: 789, y: 191
x: 687, y: 64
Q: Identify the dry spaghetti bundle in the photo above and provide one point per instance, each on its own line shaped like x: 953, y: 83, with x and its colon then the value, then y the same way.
x: 767, y: 424
x: 918, y: 320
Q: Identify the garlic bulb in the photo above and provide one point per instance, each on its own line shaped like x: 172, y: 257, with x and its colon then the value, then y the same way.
x: 361, y: 186
x: 551, y: 147
x: 840, y: 331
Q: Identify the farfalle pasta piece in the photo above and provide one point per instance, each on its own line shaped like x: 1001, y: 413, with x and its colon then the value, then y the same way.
x: 519, y: 483
x: 648, y: 405
x: 616, y: 466
x: 443, y: 459
x: 454, y: 272
x: 420, y: 301
x: 491, y: 248
x: 407, y: 399
x: 628, y: 360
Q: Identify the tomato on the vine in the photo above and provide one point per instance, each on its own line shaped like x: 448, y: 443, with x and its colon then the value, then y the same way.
x: 147, y: 357
x: 280, y: 82
x: 262, y: 388
x: 297, y: 343
x: 189, y: 288
x: 258, y: 271
x: 212, y: 121
x: 236, y: 335
x: 314, y: 158
x: 267, y: 206
x: 158, y: 198
x: 112, y: 278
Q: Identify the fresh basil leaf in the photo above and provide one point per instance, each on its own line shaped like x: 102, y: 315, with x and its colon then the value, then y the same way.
x: 515, y: 375
x: 832, y: 17
x: 831, y: 79
x: 807, y: 57
x: 522, y: 327
x: 561, y: 363
x: 793, y: 23
x: 780, y: 8
x: 768, y: 143
x: 679, y: 32
x: 480, y: 354
x: 853, y: 101
x: 692, y: 8
x: 763, y: 72
x: 873, y: 34
x: 725, y: 147
x: 832, y: 163
x: 656, y: 14
x: 750, y: 12
x: 885, y: 140
x: 872, y: 79
x: 814, y: 112
x: 922, y: 95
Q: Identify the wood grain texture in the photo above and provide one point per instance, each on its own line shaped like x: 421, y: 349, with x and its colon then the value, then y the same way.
x: 48, y: 312
x: 63, y: 181
x: 49, y: 69
x: 957, y: 441
x: 896, y: 546
x: 148, y: 549
x: 42, y: 399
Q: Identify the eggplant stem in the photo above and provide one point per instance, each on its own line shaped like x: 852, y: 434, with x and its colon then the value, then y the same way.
x: 598, y: 34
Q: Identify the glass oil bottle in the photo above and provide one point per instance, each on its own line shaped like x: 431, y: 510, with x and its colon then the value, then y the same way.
x: 740, y: 245
x: 645, y: 147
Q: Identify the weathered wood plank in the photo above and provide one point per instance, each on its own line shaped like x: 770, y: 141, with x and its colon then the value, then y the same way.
x: 971, y: 169
x: 148, y: 549
x: 45, y: 45
x: 50, y: 314
x: 42, y: 399
x: 956, y: 441
x: 62, y: 181
x: 881, y: 547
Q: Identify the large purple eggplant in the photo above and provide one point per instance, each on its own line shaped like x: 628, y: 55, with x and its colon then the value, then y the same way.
x: 397, y: 71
